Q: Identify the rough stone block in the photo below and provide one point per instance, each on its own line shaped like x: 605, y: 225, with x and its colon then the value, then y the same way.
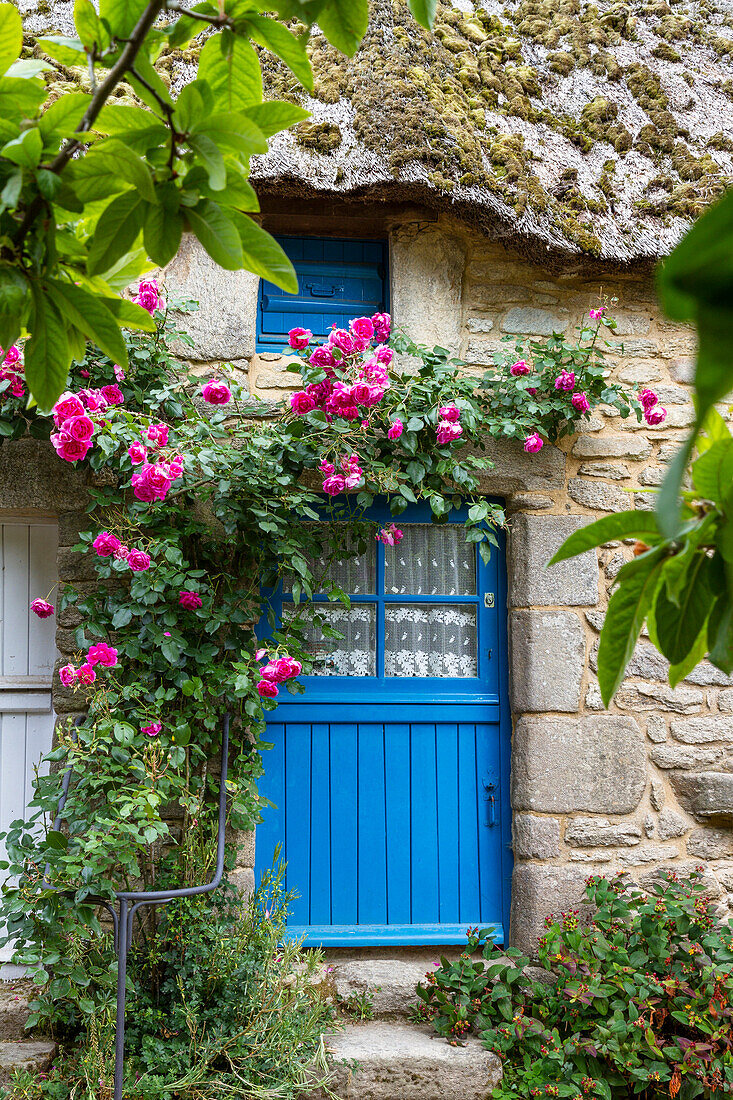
x: 700, y: 731
x: 647, y: 853
x: 596, y: 832
x: 682, y: 370
x: 656, y: 728
x: 533, y: 541
x: 537, y: 891
x: 680, y: 700
x: 548, y: 657
x: 535, y: 837
x: 389, y: 983
x: 243, y: 881
x: 711, y: 843
x: 595, y: 763
x: 34, y: 478
x: 515, y: 471
x: 709, y: 676
x: 616, y: 471
x: 657, y: 794
x: 631, y: 324
x: 639, y: 374
x: 381, y: 1061
x: 705, y: 794
x: 672, y: 824
x: 668, y: 756
x: 33, y: 1055
x: 598, y: 496
x: 647, y: 663
x: 612, y: 446
x: 428, y: 267
x: 530, y: 321
x: 224, y: 325
x: 479, y: 324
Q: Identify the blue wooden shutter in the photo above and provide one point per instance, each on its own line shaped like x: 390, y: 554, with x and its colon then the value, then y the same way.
x: 337, y: 280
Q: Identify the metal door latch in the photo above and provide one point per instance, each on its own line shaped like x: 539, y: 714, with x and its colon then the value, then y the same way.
x: 488, y: 599
x: 490, y: 800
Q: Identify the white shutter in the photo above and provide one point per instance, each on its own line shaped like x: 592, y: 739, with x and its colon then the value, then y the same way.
x: 27, y: 656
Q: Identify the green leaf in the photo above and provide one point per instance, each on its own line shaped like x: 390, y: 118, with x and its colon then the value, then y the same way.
x: 130, y: 315
x: 171, y: 651
x: 64, y: 115
x: 108, y: 168
x: 625, y: 617
x: 720, y: 635
x: 208, y: 152
x: 697, y: 653
x: 424, y: 12
x: 230, y: 66
x: 344, y: 23
x: 89, y: 26
x: 121, y: 617
x: 46, y: 353
x: 116, y: 231
x: 620, y: 525
x: 24, y: 150
x: 677, y: 627
x: 89, y: 314
x: 216, y: 231
x: 162, y: 233
x: 233, y: 130
x: 263, y: 255
x: 122, y: 15
x: 191, y: 105
x: 20, y: 98
x: 11, y: 35
x: 712, y: 472
x: 284, y: 44
x: 275, y: 115
x: 668, y: 499
x: 57, y: 841
x: 238, y: 191
x: 134, y: 124
x: 69, y: 51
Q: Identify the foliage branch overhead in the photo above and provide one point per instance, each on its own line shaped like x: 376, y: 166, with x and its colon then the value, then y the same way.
x: 91, y: 190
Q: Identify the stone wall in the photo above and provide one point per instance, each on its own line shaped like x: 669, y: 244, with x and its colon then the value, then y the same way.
x: 647, y: 785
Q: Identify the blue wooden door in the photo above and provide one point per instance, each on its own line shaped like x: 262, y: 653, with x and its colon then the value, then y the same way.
x: 388, y: 776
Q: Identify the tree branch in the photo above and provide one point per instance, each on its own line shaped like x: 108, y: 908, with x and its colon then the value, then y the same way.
x: 212, y: 20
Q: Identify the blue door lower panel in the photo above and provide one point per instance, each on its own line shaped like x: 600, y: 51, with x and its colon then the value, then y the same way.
x: 390, y: 827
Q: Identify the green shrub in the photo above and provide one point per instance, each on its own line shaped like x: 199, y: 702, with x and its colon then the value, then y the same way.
x: 220, y: 1005
x: 640, y: 1001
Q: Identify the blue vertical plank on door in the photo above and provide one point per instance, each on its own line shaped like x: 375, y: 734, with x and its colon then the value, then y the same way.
x: 320, y: 884
x: 344, y: 810
x: 424, y: 826
x: 448, y: 828
x: 397, y: 814
x: 468, y: 810
x: 487, y: 769
x: 371, y: 825
x: 298, y: 816
x: 271, y: 831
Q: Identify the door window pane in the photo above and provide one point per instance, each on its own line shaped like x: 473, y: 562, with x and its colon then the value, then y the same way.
x: 431, y: 560
x: 353, y: 655
x: 355, y: 575
x: 430, y: 640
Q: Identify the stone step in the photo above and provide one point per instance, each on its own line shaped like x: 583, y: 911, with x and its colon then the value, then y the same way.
x: 14, y: 1010
x: 380, y: 986
x: 394, y: 1060
x: 34, y: 1055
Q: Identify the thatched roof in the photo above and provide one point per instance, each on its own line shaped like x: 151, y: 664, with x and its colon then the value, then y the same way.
x: 598, y: 128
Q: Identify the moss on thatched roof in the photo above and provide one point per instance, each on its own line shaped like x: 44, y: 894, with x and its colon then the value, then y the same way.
x: 597, y: 128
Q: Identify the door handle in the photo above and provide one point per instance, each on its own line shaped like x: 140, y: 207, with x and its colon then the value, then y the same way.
x: 321, y: 290
x: 490, y: 800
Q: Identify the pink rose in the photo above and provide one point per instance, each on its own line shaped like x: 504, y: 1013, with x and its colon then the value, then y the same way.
x: 533, y: 443
x: 302, y: 403
x: 382, y: 324
x: 106, y: 544
x: 267, y: 689
x: 260, y: 654
x: 67, y: 405
x: 119, y: 373
x: 594, y: 314
x: 342, y: 340
x: 190, y: 600
x: 451, y: 413
x: 648, y: 399
x: 216, y: 392
x: 319, y: 391
x: 85, y: 674
x: 79, y: 427
x: 580, y: 402
x: 287, y: 669
x: 384, y: 355
x: 152, y: 729
x: 67, y: 675
x: 362, y: 327
x: 389, y: 535
x: 655, y: 416
x: 519, y: 368
x: 138, y: 561
x: 42, y: 608
x: 395, y: 430
x: 565, y: 380
x: 299, y: 338
x: 157, y: 434
x: 138, y: 453
x: 93, y: 400
x: 326, y: 467
x: 113, y: 395
x: 102, y: 654
x: 122, y: 553
x: 447, y: 432
x: 322, y: 357
x: 175, y: 467
x: 17, y: 388
x: 148, y: 296
x: 151, y: 482
x: 531, y: 390
x: 68, y: 448
x: 12, y: 355
x: 334, y: 485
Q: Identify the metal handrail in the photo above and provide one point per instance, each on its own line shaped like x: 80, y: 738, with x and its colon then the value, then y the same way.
x: 122, y: 921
